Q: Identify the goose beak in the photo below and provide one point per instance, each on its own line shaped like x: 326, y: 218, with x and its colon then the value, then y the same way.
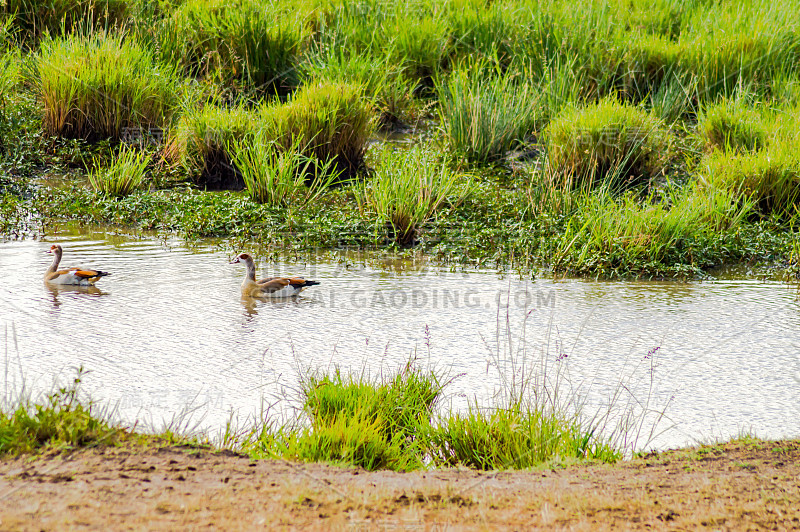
x: 234, y: 261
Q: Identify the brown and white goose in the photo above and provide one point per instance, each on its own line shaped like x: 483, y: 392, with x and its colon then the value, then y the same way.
x: 69, y: 276
x: 274, y: 287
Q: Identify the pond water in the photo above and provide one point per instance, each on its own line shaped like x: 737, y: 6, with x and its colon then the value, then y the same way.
x: 167, y: 336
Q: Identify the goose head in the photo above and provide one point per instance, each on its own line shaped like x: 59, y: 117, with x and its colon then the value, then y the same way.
x: 242, y: 257
x: 55, y: 249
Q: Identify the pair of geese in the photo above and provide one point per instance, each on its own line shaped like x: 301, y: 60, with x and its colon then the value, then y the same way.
x: 273, y: 287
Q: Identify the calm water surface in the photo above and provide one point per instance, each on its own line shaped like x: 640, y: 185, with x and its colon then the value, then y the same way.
x: 167, y: 333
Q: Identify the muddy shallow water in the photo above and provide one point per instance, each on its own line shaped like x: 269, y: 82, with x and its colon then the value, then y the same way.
x: 167, y: 333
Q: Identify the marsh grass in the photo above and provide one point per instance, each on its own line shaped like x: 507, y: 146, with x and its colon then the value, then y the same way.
x: 61, y: 421
x: 484, y: 113
x: 382, y: 79
x: 769, y: 178
x: 608, y: 142
x: 355, y: 420
x: 123, y: 176
x: 515, y: 437
x: 611, y: 235
x: 407, y: 188
x: 245, y: 41
x: 35, y: 18
x: 93, y: 87
x: 732, y: 125
x: 327, y: 121
x: 200, y: 143
x: 278, y: 176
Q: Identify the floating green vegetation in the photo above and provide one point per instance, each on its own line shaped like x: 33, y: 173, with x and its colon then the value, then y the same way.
x: 98, y: 86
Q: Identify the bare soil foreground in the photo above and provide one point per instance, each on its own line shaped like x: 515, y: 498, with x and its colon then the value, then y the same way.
x: 741, y: 485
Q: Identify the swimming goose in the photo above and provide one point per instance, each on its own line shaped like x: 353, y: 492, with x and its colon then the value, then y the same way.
x: 69, y: 276
x: 271, y: 286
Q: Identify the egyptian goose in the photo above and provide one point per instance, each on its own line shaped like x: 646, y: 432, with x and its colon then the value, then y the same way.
x: 272, y: 286
x: 69, y: 276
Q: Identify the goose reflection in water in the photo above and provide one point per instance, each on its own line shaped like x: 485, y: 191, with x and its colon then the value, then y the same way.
x: 57, y: 290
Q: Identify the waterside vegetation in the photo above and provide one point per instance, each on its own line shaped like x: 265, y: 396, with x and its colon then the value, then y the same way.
x: 621, y: 139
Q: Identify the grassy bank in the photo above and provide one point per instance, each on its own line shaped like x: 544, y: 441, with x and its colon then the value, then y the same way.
x: 615, y: 140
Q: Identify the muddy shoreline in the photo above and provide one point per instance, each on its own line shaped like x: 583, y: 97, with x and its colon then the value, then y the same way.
x: 743, y: 484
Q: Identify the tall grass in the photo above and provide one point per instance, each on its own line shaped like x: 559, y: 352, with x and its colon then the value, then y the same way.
x: 732, y: 125
x: 483, y: 114
x: 769, y: 178
x: 355, y: 420
x: 61, y: 421
x: 328, y: 121
x: 35, y: 18
x: 123, y: 176
x: 619, y: 236
x: 201, y: 140
x: 609, y: 142
x: 278, y: 176
x: 514, y: 437
x: 94, y: 87
x: 407, y: 189
x: 248, y: 41
x: 382, y: 78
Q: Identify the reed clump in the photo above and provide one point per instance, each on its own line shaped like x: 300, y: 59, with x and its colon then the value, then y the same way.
x: 123, y: 176
x: 769, y: 178
x: 358, y: 421
x: 732, y: 125
x: 239, y: 41
x: 327, y: 121
x: 96, y: 87
x: 201, y: 140
x: 609, y: 142
x: 407, y: 188
x: 277, y: 176
x: 483, y: 116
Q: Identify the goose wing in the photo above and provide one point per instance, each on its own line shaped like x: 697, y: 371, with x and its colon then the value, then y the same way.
x: 274, y: 284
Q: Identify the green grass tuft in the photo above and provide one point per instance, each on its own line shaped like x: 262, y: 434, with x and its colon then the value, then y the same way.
x: 201, y: 140
x: 733, y: 125
x: 357, y: 421
x: 227, y: 41
x: 770, y: 178
x: 277, y: 176
x: 608, y: 142
x: 95, y: 87
x: 123, y: 176
x: 407, y: 188
x: 60, y: 422
x: 327, y: 121
x: 484, y: 114
x: 516, y: 437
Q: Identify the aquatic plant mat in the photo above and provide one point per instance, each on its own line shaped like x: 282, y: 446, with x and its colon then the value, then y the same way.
x: 743, y: 484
